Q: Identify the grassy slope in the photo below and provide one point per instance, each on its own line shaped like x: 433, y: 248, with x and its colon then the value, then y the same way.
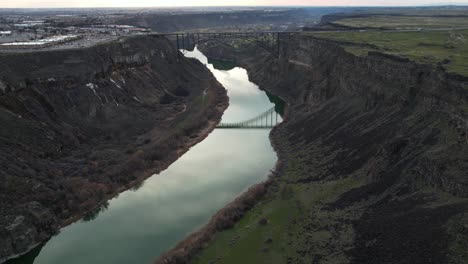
x: 287, y: 209
x: 432, y: 47
x: 299, y: 221
x: 420, y: 11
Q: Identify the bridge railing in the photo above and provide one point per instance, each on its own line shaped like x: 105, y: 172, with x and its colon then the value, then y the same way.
x: 267, y: 119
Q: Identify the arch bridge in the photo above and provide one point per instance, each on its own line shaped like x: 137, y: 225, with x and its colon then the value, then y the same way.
x: 270, y: 41
x: 267, y: 119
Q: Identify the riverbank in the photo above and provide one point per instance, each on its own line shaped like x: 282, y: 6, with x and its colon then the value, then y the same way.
x: 219, y: 104
x: 224, y: 219
x: 104, y: 129
x: 364, y: 148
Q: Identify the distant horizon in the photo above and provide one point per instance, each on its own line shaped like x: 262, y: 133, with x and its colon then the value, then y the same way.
x: 236, y: 6
x: 54, y: 4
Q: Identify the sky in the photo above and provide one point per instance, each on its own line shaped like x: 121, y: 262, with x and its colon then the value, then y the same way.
x: 177, y: 3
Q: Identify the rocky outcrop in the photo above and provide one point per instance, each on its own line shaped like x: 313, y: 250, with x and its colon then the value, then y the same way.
x: 397, y: 127
x: 79, y: 126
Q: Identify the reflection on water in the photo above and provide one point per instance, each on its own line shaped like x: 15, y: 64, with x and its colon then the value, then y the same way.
x: 94, y: 214
x: 142, y: 223
x: 279, y: 103
x: 222, y: 64
x: 245, y: 99
x: 28, y: 258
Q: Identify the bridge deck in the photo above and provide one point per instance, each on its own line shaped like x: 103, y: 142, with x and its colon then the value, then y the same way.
x: 267, y: 119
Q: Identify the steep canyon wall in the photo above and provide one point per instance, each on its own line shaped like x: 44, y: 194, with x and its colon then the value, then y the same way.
x: 389, y: 134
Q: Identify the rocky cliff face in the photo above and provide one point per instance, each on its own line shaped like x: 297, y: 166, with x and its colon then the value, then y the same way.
x: 78, y: 126
x: 390, y: 137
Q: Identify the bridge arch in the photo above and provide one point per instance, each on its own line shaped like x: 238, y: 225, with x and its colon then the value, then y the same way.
x: 269, y: 40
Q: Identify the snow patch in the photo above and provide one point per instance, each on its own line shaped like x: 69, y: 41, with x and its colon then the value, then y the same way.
x: 92, y: 87
x: 117, y: 104
x: 116, y: 84
x: 2, y: 86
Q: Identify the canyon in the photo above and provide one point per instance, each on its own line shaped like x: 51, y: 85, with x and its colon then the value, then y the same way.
x: 372, y: 153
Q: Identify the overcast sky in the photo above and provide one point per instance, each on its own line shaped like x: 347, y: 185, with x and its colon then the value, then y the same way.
x: 166, y: 3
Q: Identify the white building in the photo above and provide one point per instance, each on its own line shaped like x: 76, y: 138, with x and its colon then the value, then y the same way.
x: 42, y: 43
x: 5, y: 33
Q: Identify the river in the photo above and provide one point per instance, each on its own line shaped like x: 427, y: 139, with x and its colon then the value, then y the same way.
x: 139, y: 224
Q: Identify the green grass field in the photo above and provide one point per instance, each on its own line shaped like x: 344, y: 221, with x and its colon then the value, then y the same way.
x: 431, y: 47
x: 447, y: 11
x: 405, y: 22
